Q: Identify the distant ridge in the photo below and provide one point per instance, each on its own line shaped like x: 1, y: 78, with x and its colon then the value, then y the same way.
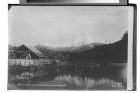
x: 71, y: 48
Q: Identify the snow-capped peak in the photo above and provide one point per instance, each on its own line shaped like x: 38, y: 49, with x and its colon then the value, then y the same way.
x: 82, y: 39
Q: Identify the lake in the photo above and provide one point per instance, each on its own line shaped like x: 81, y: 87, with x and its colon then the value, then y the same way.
x: 69, y: 77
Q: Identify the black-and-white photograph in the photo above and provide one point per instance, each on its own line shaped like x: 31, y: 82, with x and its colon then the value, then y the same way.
x: 69, y: 47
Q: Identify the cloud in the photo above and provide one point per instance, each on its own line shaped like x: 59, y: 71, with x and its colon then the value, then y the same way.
x: 60, y: 25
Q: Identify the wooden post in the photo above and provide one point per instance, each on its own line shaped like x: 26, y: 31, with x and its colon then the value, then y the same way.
x: 25, y: 60
x: 15, y: 62
x: 20, y: 62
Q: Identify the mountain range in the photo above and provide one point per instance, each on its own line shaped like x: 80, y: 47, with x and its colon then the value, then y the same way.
x: 70, y: 48
x: 87, y: 52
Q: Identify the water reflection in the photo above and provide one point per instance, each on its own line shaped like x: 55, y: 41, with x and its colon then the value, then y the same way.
x: 70, y: 77
x: 91, y: 83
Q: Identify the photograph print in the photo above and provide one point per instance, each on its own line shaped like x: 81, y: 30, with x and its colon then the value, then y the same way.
x: 68, y: 47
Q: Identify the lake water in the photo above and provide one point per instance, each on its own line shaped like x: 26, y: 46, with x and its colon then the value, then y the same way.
x: 70, y: 77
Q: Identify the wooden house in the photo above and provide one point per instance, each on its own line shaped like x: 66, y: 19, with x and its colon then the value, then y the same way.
x: 28, y: 52
x: 27, y: 55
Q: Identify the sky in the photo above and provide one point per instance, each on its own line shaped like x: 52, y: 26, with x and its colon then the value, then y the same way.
x: 60, y: 26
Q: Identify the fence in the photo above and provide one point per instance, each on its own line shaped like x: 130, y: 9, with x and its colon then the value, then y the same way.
x: 28, y: 62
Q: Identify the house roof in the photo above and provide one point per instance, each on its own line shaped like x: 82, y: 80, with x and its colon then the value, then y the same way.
x: 34, y: 50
